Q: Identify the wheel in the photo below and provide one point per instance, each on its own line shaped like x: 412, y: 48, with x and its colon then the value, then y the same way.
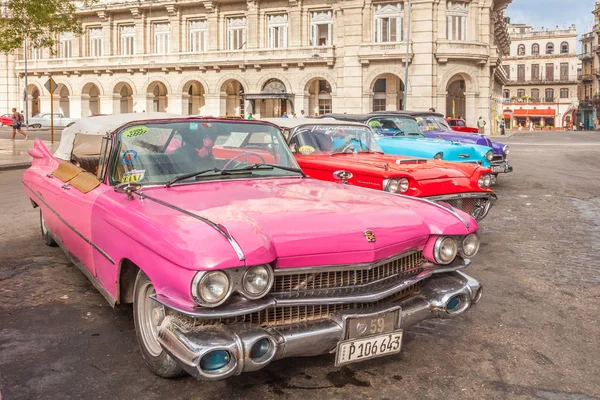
x: 46, y: 235
x: 147, y: 315
x: 36, y: 125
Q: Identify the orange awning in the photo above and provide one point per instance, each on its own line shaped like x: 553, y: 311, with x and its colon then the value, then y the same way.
x: 535, y: 113
x: 506, y: 116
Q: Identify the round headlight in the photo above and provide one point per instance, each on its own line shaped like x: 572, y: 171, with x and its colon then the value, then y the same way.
x: 489, y: 155
x: 506, y: 150
x: 211, y: 288
x: 439, y: 156
x: 485, y: 181
x: 445, y: 250
x: 391, y: 185
x: 257, y: 281
x: 403, y: 185
x: 470, y: 245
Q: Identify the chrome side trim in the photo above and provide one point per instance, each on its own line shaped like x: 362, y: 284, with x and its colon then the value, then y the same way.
x: 449, y: 210
x: 88, y: 241
x: 219, y: 228
x: 491, y: 197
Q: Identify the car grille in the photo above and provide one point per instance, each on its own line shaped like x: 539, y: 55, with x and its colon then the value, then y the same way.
x: 331, y: 281
x: 472, y: 206
x: 407, y: 265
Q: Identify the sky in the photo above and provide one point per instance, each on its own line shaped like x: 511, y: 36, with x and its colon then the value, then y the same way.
x: 550, y: 13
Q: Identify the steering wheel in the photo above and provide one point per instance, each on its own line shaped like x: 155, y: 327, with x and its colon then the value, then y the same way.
x: 399, y: 133
x: 247, y: 154
x: 349, y: 146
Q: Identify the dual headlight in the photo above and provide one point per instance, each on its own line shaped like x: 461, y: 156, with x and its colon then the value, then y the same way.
x: 399, y: 185
x: 447, y: 247
x: 213, y: 288
x: 485, y: 181
x: 506, y: 150
x: 489, y: 155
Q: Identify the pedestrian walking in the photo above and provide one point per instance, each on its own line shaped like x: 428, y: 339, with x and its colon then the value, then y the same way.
x: 17, y: 120
x: 432, y: 109
x: 481, y: 125
x: 284, y: 115
x: 530, y: 126
x: 302, y: 114
x: 250, y: 116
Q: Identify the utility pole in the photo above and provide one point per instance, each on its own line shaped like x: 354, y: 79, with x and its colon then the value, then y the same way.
x: 51, y: 109
x: 407, y: 56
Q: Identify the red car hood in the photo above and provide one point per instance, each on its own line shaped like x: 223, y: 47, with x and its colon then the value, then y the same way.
x: 375, y: 164
x: 298, y: 222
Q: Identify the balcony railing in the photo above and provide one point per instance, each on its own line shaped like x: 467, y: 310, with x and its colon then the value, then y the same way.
x: 209, y: 59
x: 383, y: 51
x: 571, y: 79
x: 528, y: 100
x: 458, y: 50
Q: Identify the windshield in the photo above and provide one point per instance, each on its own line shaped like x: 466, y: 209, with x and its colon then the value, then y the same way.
x: 442, y: 122
x: 332, y: 139
x: 157, y: 152
x: 427, y: 123
x: 396, y: 127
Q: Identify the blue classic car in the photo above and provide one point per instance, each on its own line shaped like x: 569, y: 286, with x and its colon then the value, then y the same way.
x: 401, y: 135
x: 435, y: 126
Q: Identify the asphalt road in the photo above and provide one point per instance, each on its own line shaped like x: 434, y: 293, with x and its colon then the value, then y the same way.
x: 534, y: 335
x: 41, y: 133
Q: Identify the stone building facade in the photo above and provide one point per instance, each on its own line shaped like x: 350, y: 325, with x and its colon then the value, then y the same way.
x: 271, y: 56
x: 543, y: 76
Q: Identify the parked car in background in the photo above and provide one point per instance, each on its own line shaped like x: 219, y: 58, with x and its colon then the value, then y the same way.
x: 400, y: 135
x: 43, y: 120
x: 6, y: 119
x: 460, y: 125
x: 347, y: 152
x: 434, y: 126
x: 232, y: 256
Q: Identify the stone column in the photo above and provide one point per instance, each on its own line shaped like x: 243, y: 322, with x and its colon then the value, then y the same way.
x: 252, y: 25
x: 472, y: 111
x: 295, y: 25
x: 106, y: 105
x: 175, y: 104
x: 75, y: 107
x: 300, y: 104
x: 45, y: 103
x: 107, y: 43
x: 214, y: 34
x: 175, y: 24
x: 348, y: 34
x: 140, y: 103
x: 214, y: 104
x: 141, y: 39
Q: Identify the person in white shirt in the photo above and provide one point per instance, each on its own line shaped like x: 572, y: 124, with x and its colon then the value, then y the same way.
x: 302, y: 114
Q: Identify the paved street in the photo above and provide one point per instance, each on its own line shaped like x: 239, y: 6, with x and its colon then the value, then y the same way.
x: 534, y: 335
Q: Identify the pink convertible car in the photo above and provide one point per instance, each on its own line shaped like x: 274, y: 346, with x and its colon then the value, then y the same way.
x: 231, y: 256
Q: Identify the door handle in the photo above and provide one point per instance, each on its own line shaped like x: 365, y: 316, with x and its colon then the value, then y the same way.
x: 66, y: 187
x: 49, y: 176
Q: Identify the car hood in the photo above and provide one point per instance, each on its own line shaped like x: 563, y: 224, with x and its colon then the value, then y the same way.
x: 389, y: 166
x: 297, y: 222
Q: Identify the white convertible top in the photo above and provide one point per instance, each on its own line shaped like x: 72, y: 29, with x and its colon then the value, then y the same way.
x: 101, y: 125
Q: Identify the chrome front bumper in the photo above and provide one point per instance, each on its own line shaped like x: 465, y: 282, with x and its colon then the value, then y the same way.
x: 501, y: 167
x: 188, y: 344
x: 478, y: 213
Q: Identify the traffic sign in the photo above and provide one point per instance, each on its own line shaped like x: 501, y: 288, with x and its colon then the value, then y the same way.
x: 51, y: 85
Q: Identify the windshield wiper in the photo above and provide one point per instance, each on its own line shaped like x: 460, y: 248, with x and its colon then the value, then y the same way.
x: 191, y: 175
x: 272, y: 166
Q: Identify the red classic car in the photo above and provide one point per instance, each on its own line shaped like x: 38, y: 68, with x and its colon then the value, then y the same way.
x: 459, y: 125
x: 347, y: 152
x: 6, y: 119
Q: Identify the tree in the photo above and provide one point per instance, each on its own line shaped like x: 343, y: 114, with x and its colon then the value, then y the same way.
x: 41, y: 21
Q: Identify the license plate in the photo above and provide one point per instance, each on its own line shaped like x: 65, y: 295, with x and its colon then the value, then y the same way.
x: 354, y: 350
x: 357, y: 327
x: 498, y: 169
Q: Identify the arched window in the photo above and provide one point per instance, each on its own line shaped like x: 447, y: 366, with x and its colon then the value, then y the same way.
x: 521, y: 50
x: 520, y: 93
x: 564, y: 48
x: 550, y: 48
x: 549, y: 95
x: 535, y: 49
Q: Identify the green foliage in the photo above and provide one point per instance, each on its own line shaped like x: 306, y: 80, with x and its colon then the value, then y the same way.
x: 41, y: 21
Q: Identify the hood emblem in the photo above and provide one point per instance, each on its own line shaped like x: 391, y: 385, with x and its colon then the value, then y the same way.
x: 370, y: 236
x: 454, y: 183
x: 343, y: 175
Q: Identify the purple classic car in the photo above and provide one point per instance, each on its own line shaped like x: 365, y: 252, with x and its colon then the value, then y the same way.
x: 231, y: 256
x: 434, y: 125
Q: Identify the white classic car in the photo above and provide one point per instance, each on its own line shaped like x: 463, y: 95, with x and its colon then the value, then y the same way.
x: 43, y: 120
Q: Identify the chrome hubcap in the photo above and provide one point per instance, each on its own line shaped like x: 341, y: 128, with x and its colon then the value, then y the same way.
x: 150, y: 317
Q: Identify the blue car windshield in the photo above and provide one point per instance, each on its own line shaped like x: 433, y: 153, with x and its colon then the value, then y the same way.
x: 395, y: 127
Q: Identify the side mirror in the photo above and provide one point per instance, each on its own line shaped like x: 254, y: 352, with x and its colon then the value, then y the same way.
x: 128, y: 188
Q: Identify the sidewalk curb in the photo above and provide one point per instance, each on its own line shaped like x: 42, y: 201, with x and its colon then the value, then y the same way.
x: 15, y: 166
